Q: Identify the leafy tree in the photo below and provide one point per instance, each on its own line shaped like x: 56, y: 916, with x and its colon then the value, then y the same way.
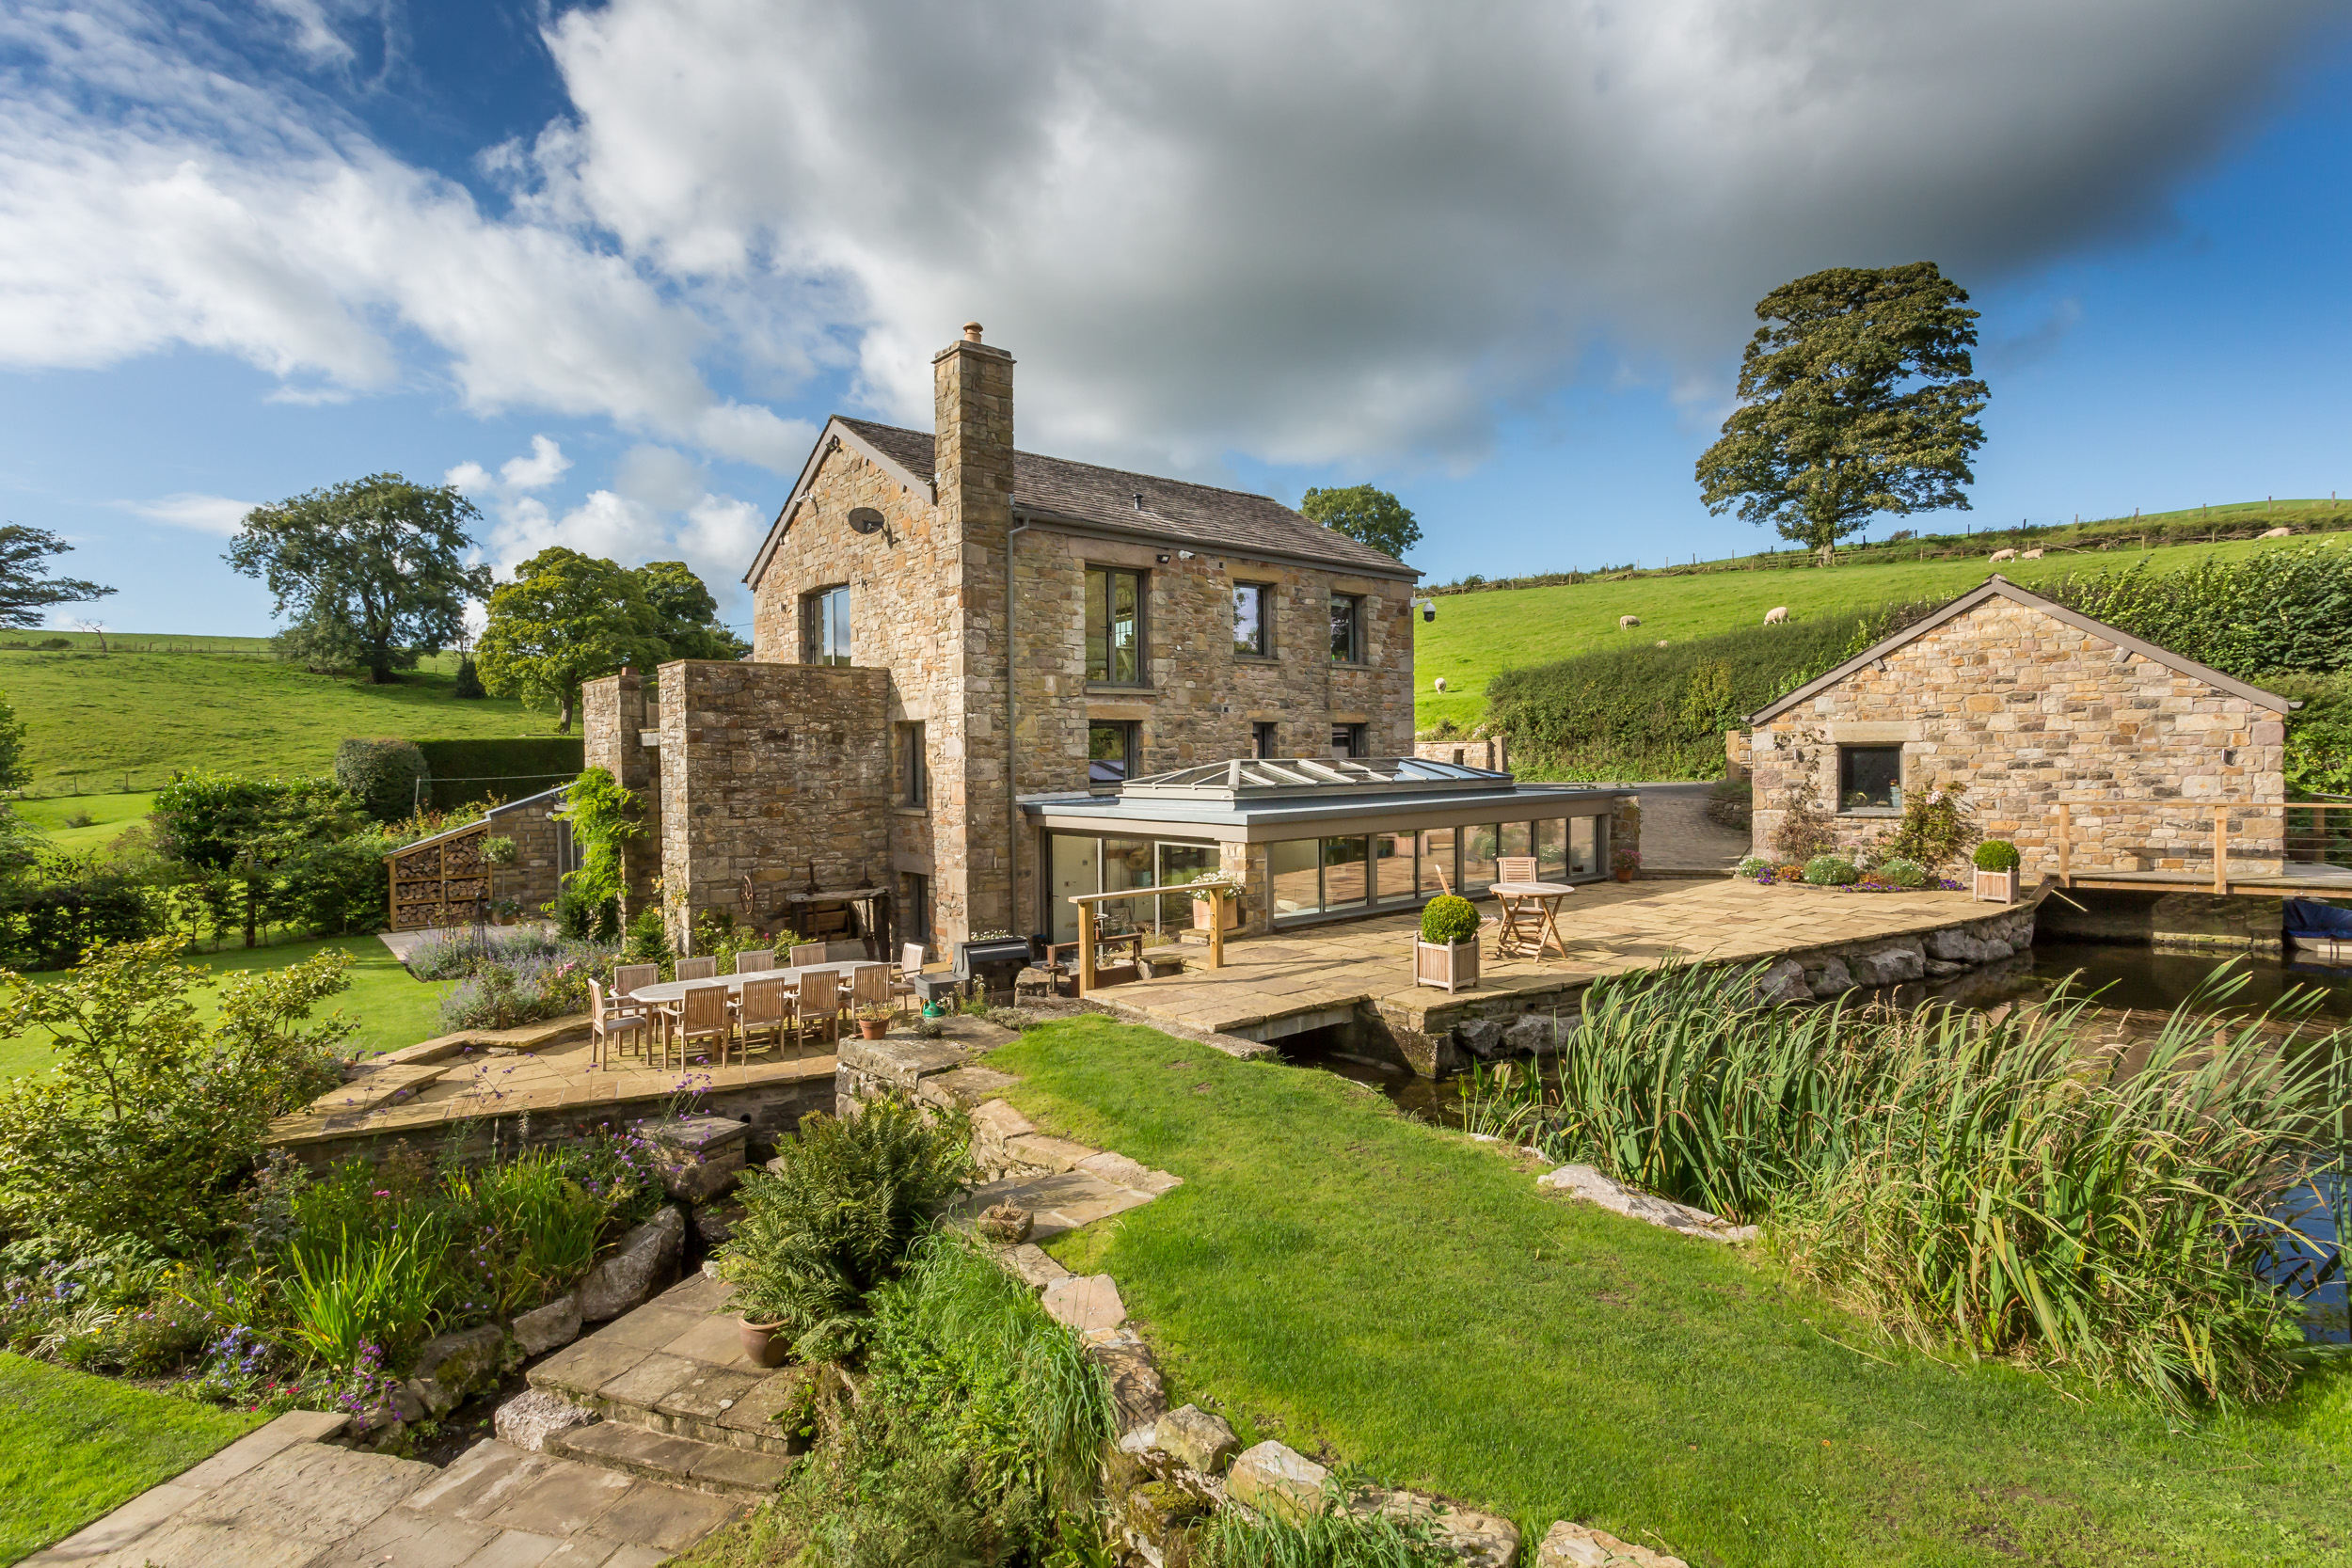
x: 690, y: 616
x: 24, y: 597
x: 1857, y: 396
x: 373, y: 570
x: 567, y: 618
x: 259, y: 835
x: 16, y: 768
x: 1367, y: 515
x: 468, y: 684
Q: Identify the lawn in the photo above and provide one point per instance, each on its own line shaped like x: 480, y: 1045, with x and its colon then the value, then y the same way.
x: 1345, y: 1278
x: 1476, y: 636
x: 393, y: 1008
x: 73, y: 1446
x: 125, y: 721
x: 109, y: 815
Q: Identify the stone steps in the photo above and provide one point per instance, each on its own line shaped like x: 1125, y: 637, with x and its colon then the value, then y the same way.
x: 719, y: 1469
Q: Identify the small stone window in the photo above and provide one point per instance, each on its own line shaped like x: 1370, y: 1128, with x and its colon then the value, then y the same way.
x: 1869, y: 778
x: 1265, y: 740
x: 1347, y: 741
x: 1253, y: 620
x: 1114, y: 629
x: 825, y: 625
x: 1110, y: 753
x: 915, y: 767
x: 1347, y: 628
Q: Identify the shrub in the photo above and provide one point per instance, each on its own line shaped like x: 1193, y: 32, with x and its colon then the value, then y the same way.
x: 1831, y: 871
x: 381, y: 774
x: 1346, y: 1532
x: 1447, y: 919
x: 1805, y: 830
x: 648, y: 939
x: 835, y: 1220
x: 1754, y: 866
x: 1935, y: 827
x: 498, y: 850
x: 506, y: 995
x: 1899, y: 872
x: 1996, y: 854
x: 468, y: 683
x: 56, y: 909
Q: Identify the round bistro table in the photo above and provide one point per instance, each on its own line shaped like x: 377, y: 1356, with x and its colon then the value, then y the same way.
x: 1538, y: 905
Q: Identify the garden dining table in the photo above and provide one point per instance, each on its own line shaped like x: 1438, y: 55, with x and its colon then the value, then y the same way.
x: 1538, y: 905
x: 667, y: 997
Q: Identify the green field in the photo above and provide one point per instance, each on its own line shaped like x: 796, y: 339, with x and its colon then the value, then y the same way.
x: 109, y: 816
x: 392, y: 1008
x: 73, y: 1446
x: 121, y: 723
x: 1476, y: 636
x: 1358, y: 1284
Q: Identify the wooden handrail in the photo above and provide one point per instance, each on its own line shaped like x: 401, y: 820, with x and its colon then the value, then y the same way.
x: 2220, y: 809
x: 1215, y: 893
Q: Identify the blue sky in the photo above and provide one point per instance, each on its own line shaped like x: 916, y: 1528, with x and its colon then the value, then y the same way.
x: 608, y: 268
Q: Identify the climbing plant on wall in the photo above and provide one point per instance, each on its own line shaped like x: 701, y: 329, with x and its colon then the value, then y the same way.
x: 603, y: 817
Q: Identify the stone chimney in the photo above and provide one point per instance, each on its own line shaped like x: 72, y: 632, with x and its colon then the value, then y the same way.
x: 972, y: 426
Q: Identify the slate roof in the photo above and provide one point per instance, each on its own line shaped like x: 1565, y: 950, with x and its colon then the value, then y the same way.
x: 1997, y: 585
x: 1192, y: 516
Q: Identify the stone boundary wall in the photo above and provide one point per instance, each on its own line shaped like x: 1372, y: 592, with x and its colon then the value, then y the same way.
x: 614, y: 714
x: 1491, y: 752
x: 532, y: 880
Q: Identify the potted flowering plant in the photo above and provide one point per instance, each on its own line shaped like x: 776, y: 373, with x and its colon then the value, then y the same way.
x: 1625, y: 862
x: 1230, y: 885
x: 1996, y: 861
x: 873, y: 1022
x: 1446, y: 952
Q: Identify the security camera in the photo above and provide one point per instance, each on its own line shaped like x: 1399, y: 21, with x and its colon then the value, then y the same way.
x: 1183, y: 555
x: 1428, y: 609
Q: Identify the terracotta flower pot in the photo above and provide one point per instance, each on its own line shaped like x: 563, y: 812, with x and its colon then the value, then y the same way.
x: 872, y: 1028
x: 1624, y: 875
x: 764, y: 1344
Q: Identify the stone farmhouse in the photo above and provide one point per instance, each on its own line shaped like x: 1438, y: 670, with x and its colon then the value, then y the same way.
x: 946, y: 627
x: 2033, y: 708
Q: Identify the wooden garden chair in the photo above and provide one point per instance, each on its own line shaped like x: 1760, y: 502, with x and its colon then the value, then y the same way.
x: 605, y: 1025
x: 703, y: 1015
x: 626, y: 978
x: 764, y: 1009
x: 698, y: 969
x: 869, y: 986
x: 808, y: 953
x: 754, y: 960
x: 822, y: 1001
x: 910, y: 966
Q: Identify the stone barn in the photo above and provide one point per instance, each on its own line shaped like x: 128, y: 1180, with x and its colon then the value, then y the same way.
x: 2059, y: 727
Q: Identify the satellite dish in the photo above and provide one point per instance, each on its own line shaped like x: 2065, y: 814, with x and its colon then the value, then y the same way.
x: 866, y: 521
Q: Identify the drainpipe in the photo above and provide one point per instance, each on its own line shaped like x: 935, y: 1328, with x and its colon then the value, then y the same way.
x: 1012, y: 750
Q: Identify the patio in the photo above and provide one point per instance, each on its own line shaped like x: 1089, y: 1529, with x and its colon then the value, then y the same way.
x: 1325, y: 976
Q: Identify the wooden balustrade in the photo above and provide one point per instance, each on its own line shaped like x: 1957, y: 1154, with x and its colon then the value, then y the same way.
x: 2062, y: 835
x: 1215, y: 893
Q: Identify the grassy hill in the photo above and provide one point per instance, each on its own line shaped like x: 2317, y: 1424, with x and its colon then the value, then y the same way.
x: 109, y: 723
x: 1477, y: 635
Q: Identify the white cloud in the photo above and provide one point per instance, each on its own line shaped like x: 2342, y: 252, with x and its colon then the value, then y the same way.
x: 204, y: 514
x: 1262, y: 226
x: 543, y: 467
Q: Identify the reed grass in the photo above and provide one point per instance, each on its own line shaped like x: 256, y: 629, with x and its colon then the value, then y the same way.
x: 2015, y: 1186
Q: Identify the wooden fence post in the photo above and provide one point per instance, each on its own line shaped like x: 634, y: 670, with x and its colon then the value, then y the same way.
x: 2221, y: 848
x: 1217, y: 928
x: 1086, y: 947
x: 2065, y: 846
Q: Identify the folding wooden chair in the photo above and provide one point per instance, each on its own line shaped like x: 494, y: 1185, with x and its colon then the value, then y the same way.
x: 703, y: 1015
x: 808, y: 953
x: 822, y: 1001
x: 764, y: 1009
x: 1516, y: 868
x: 698, y: 969
x: 605, y: 1025
x: 754, y: 960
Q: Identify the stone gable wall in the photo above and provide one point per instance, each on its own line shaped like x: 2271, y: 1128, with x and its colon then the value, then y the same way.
x: 770, y: 769
x: 2026, y: 711
x: 532, y: 881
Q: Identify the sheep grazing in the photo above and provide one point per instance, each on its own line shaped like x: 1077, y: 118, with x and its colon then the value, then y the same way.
x: 1626, y: 623
x: 1662, y: 642
x: 2030, y: 555
x: 1442, y: 682
x: 2276, y: 534
x: 1777, y: 615
x: 2004, y: 555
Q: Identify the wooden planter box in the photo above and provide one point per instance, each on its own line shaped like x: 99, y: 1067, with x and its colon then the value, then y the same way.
x: 1455, y: 967
x: 1996, y: 887
x: 1200, y: 912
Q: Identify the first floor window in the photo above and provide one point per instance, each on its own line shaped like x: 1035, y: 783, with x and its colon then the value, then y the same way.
x: 915, y: 769
x: 1265, y: 740
x: 916, y: 925
x: 1114, y: 626
x: 1869, y: 778
x: 1253, y: 627
x: 1110, y: 753
x: 825, y: 625
x: 1347, y: 741
x: 1347, y: 628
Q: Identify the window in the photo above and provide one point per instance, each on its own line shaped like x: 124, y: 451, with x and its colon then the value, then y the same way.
x: 825, y: 625
x: 1114, y: 626
x: 1265, y: 740
x: 1347, y: 741
x: 1478, y: 856
x: 1291, y: 866
x: 1552, y: 852
x: 1438, y: 872
x: 1392, y: 868
x: 1345, y: 882
x: 1347, y: 628
x: 1110, y: 753
x: 915, y: 767
x: 915, y: 925
x: 1869, y: 778
x: 1253, y: 623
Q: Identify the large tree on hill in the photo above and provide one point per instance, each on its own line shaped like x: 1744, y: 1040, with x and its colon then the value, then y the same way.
x: 25, y: 596
x: 567, y: 618
x: 690, y: 616
x: 1365, y: 515
x: 1857, y: 396
x: 373, y: 570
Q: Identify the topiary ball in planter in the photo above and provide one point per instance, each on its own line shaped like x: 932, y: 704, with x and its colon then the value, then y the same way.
x: 1831, y: 871
x: 1447, y: 920
x: 1996, y: 854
